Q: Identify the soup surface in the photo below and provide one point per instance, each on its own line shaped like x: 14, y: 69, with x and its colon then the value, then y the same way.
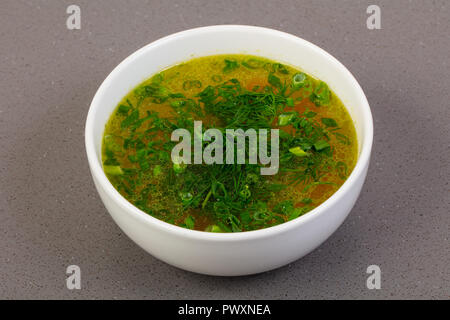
x: 317, y: 144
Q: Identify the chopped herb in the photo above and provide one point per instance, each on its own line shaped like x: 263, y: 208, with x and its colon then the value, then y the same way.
x: 179, y: 167
x: 113, y: 170
x: 321, y: 95
x: 297, y: 213
x: 310, y: 114
x: 284, y: 207
x: 157, y: 170
x: 274, y: 81
x: 321, y: 145
x: 285, y: 118
x: 123, y: 109
x: 290, y: 102
x: 342, y: 138
x: 230, y: 65
x: 329, y: 122
x: 253, y: 63
x: 298, y: 152
x: 299, y: 80
x: 280, y: 68
x: 189, y: 222
x: 213, y: 228
x: 132, y: 118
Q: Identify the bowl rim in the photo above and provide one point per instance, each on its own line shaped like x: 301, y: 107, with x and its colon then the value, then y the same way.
x: 129, y: 209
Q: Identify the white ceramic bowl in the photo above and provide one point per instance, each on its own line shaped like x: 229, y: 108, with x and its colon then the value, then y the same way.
x: 229, y: 254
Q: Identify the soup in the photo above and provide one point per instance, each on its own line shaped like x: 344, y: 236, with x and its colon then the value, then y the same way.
x: 315, y: 140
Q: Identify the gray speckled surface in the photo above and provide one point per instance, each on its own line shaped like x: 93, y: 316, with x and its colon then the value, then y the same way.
x: 51, y: 216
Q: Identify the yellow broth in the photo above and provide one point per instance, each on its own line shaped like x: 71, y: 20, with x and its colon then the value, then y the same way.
x: 136, y: 151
